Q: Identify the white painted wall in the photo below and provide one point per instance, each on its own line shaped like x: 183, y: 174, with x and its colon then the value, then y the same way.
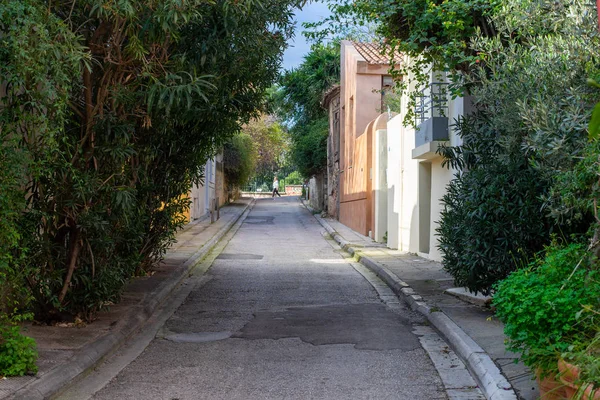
x: 380, y: 184
x: 403, y: 189
x: 201, y: 195
x: 393, y: 181
x: 408, y: 191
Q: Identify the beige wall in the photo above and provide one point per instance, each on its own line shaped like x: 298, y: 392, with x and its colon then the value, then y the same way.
x: 332, y: 103
x: 316, y: 193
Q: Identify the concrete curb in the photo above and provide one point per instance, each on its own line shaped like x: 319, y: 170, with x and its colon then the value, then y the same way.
x: 88, y: 356
x: 487, y: 374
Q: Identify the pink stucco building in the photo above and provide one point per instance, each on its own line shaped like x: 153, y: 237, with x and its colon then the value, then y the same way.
x: 364, y: 77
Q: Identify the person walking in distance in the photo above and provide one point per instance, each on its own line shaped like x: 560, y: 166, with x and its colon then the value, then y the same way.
x: 275, y: 188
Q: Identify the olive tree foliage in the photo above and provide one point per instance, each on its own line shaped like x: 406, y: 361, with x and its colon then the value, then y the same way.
x: 297, y: 102
x: 111, y: 108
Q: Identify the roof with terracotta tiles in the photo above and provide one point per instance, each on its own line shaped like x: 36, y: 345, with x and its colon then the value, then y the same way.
x: 372, y: 53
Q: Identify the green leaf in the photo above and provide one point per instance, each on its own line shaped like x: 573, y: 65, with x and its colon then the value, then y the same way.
x: 594, y: 126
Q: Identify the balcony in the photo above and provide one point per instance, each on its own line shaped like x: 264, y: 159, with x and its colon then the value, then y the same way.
x: 431, y: 120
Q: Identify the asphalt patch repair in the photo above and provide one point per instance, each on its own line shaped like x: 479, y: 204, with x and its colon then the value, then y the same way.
x: 259, y: 220
x: 239, y: 256
x: 367, y: 326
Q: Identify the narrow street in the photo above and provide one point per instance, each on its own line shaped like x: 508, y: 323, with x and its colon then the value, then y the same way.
x: 281, y: 315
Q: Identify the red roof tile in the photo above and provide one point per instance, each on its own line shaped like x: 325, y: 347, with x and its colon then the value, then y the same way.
x: 374, y: 53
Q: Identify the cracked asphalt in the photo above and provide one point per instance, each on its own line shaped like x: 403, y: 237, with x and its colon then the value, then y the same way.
x: 281, y: 315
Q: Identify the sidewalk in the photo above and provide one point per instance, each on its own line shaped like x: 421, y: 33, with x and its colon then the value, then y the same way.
x: 65, y: 351
x: 472, y: 331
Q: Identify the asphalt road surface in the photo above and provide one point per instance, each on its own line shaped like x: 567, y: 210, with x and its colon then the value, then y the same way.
x: 281, y: 315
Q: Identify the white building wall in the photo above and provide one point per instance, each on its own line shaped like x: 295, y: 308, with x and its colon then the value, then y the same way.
x: 201, y: 195
x: 409, y: 174
x: 416, y: 186
x: 394, y: 203
x: 380, y: 185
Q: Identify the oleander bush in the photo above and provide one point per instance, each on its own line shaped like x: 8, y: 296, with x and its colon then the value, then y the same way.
x: 490, y: 218
x: 108, y: 111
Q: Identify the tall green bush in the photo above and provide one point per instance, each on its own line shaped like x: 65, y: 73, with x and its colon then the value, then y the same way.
x: 110, y: 111
x: 239, y: 160
x: 490, y: 222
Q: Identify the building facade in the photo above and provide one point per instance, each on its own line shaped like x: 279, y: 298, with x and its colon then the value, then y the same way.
x: 416, y: 179
x: 364, y: 76
x: 212, y: 193
x: 385, y: 174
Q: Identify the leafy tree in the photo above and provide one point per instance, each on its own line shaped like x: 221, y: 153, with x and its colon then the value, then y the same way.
x: 294, y: 178
x: 271, y: 143
x: 310, y: 147
x: 239, y: 160
x: 111, y: 110
x: 298, y: 98
x: 297, y: 102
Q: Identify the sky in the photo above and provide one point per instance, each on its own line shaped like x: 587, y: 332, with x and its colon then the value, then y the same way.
x: 294, y: 55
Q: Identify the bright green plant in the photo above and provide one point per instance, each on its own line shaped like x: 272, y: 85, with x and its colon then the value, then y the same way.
x: 294, y: 178
x: 539, y: 305
x: 17, y: 352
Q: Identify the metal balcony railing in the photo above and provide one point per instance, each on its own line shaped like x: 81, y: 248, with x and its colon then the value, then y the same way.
x: 432, y: 102
x: 431, y: 114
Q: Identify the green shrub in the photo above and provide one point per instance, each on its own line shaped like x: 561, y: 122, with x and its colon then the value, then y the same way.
x: 17, y: 352
x: 540, y: 305
x: 294, y: 178
x: 309, y: 147
x: 490, y: 220
x: 239, y: 159
x: 98, y: 149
